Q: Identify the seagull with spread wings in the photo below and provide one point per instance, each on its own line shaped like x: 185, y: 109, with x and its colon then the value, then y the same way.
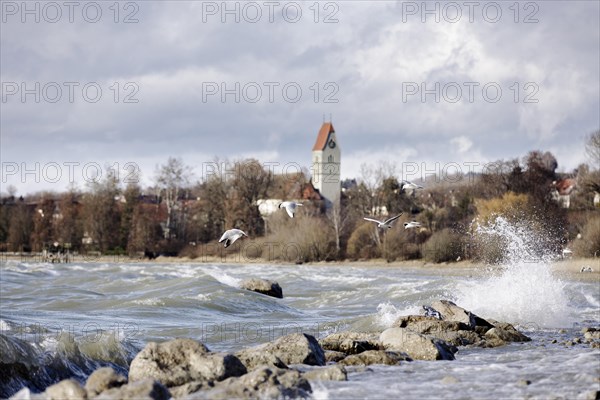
x: 290, y: 207
x: 384, y: 224
x: 231, y: 236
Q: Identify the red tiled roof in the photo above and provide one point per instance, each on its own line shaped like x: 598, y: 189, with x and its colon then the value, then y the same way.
x: 565, y: 186
x: 326, y: 129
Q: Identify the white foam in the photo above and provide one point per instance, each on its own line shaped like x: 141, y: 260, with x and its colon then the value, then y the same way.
x: 4, y: 326
x: 387, y: 313
x: 525, y: 291
x: 222, y: 276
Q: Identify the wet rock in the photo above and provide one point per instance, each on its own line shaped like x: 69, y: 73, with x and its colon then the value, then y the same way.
x: 452, y: 312
x: 67, y: 389
x: 371, y: 357
x: 592, y: 335
x: 593, y: 395
x: 417, y: 346
x: 264, y: 286
x: 334, y: 356
x: 190, y: 387
x: 329, y: 373
x: 428, y: 325
x: 351, y: 342
x: 181, y: 361
x: 589, y: 329
x: 296, y: 348
x: 506, y: 333
x: 253, y: 358
x: 264, y: 382
x: 524, y: 382
x: 459, y: 338
x: 139, y: 390
x: 103, y: 379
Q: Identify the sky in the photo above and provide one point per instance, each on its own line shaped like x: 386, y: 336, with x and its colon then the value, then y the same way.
x: 90, y: 88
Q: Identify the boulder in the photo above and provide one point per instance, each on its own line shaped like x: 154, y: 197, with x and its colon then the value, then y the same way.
x: 264, y: 286
x: 429, y: 325
x: 329, y: 373
x: 296, y: 348
x: 452, y: 312
x: 264, y: 382
x: 253, y: 358
x: 371, y: 357
x: 351, y: 342
x: 507, y: 333
x: 334, y: 356
x: 103, y: 379
x: 417, y: 346
x: 181, y: 361
x: 145, y: 389
x: 66, y: 389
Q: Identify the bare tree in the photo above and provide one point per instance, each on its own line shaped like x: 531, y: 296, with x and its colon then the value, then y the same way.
x: 339, y: 219
x: 592, y: 148
x: 171, y: 178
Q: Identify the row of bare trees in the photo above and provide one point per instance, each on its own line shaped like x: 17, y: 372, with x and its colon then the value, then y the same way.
x: 178, y: 214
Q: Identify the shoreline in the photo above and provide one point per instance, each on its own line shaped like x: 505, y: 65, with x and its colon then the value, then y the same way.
x: 568, y: 268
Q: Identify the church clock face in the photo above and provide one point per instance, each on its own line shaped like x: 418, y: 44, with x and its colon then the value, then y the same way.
x: 332, y: 144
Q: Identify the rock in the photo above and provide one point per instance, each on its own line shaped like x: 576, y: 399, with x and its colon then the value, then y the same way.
x: 351, y: 342
x: 330, y: 373
x: 334, y: 356
x: 452, y: 312
x: 371, y: 357
x: 103, y: 379
x: 264, y: 286
x: 428, y: 325
x: 139, y: 390
x: 296, y: 348
x: 417, y: 346
x: 459, y: 338
x: 508, y: 334
x: 190, y: 387
x: 252, y: 359
x: 589, y: 329
x: 592, y: 395
x: 180, y: 361
x: 592, y: 335
x: 66, y: 389
x: 524, y: 382
x: 264, y: 382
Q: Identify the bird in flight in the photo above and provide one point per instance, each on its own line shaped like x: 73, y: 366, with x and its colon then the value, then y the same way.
x: 412, y: 224
x: 384, y: 224
x: 290, y: 207
x: 409, y: 185
x: 230, y: 236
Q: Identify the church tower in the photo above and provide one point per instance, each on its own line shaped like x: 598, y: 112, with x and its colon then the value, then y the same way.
x: 326, y: 165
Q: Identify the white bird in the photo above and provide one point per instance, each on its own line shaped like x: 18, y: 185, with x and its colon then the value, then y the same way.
x: 409, y: 185
x: 230, y: 236
x: 290, y: 207
x: 384, y: 224
x: 412, y: 224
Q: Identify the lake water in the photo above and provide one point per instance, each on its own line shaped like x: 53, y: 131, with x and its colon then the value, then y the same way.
x: 66, y: 320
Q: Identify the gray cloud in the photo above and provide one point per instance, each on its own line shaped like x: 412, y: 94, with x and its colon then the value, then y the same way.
x: 366, y: 62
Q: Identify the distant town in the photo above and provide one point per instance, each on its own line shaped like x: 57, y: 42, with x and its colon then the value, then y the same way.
x: 438, y: 221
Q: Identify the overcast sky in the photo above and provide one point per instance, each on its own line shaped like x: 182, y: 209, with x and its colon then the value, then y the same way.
x: 128, y: 84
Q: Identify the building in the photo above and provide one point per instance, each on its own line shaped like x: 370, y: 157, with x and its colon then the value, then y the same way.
x: 326, y: 165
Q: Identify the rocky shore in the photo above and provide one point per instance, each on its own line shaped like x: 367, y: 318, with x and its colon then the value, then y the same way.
x: 285, y: 367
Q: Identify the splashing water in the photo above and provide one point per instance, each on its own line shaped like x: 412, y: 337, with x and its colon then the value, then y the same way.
x: 525, y: 291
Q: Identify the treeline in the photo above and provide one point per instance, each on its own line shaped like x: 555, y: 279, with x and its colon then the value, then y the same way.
x: 177, y: 216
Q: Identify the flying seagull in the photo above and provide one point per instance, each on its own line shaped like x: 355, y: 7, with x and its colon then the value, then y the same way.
x: 290, y: 207
x: 412, y: 224
x: 409, y: 185
x: 384, y: 224
x: 231, y: 236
